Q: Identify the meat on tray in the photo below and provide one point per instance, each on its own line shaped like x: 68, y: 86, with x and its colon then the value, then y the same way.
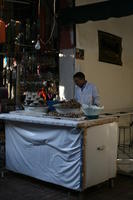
x: 69, y: 115
x: 72, y: 103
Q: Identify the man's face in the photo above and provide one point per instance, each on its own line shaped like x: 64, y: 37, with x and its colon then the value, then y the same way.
x: 78, y: 82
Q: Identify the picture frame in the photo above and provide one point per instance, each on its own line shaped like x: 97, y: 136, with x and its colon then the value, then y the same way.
x: 110, y: 48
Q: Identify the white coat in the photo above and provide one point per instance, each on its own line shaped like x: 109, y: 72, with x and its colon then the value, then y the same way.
x: 88, y: 95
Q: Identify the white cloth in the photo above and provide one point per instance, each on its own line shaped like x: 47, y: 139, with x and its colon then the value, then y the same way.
x: 89, y: 95
x: 49, y: 153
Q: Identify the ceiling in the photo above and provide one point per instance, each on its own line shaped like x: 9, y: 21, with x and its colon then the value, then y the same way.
x: 19, y: 10
x: 20, y: 1
x: 85, y: 2
x: 100, y: 10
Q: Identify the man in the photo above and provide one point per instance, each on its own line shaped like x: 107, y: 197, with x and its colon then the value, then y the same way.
x: 85, y: 93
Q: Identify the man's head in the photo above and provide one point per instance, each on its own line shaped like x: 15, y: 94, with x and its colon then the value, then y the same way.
x: 79, y: 79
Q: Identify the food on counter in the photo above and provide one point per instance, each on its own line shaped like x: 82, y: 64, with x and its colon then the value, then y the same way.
x: 68, y: 115
x: 72, y: 103
x: 67, y: 107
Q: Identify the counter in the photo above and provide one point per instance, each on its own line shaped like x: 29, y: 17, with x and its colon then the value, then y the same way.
x: 75, y: 154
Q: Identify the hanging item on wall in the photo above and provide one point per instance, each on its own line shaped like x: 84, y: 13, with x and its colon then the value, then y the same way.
x: 34, y: 32
x: 37, y: 45
x: 27, y: 31
x: 80, y: 54
x: 10, y: 36
x: 42, y: 21
x: 110, y: 48
x: 1, y: 4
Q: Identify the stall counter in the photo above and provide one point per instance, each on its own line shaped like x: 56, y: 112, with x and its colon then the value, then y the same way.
x: 75, y: 154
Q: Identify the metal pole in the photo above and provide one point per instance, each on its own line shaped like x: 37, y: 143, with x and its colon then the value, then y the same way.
x: 18, y: 85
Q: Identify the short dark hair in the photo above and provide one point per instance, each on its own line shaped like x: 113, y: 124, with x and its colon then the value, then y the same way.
x: 79, y: 75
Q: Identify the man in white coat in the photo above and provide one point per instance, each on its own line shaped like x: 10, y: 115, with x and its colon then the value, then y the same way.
x: 85, y: 93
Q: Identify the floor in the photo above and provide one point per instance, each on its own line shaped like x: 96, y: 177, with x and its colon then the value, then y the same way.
x: 19, y: 187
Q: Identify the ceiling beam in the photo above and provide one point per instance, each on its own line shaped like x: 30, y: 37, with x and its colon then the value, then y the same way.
x: 96, y: 11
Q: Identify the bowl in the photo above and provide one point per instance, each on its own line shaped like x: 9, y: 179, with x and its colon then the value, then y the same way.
x: 51, y: 104
x: 92, y: 111
x: 42, y: 109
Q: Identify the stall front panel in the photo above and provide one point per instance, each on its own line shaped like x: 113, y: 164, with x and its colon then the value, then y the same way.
x: 48, y: 153
x: 100, y: 153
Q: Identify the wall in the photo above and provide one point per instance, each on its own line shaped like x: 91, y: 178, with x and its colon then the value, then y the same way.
x: 115, y: 83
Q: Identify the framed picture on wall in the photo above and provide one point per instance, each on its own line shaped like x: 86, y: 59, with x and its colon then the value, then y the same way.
x: 80, y: 54
x: 110, y: 48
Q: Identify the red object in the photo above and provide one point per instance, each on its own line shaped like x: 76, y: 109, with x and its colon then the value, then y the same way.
x: 2, y: 32
x: 66, y: 32
x: 63, y: 3
x: 66, y: 40
x: 42, y: 93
